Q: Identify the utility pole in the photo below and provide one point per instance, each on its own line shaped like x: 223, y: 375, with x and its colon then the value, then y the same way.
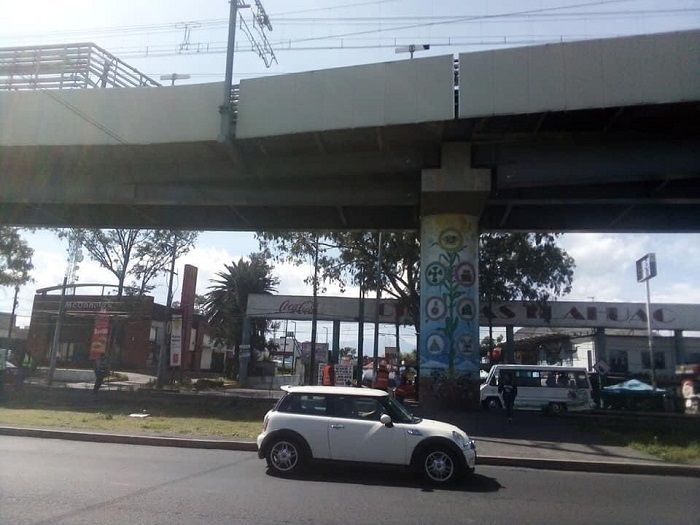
x: 361, y: 331
x: 166, y: 340
x: 260, y: 44
x: 646, y: 270
x: 376, y: 307
x: 57, y: 333
x: 12, y: 315
x: 314, y: 316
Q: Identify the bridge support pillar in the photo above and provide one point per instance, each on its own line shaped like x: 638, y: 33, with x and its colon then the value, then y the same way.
x: 452, y: 199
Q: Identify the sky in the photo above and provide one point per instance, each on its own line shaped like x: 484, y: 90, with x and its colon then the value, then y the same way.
x: 161, y: 37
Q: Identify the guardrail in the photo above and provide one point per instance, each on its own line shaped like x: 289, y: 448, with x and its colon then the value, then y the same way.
x: 66, y: 66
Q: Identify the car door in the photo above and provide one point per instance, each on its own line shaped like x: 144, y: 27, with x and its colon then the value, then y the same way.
x: 356, y: 434
x: 307, y: 414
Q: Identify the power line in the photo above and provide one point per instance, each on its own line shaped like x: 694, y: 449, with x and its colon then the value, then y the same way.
x: 462, y: 19
x: 177, y: 27
x: 315, y: 9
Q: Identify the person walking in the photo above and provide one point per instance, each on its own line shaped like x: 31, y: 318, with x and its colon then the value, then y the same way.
x: 509, y: 391
x: 101, y: 371
x: 328, y: 374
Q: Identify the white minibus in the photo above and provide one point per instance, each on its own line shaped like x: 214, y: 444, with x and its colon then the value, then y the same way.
x: 554, y: 389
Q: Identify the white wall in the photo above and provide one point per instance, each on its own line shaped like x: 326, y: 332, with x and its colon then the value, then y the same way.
x: 646, y: 69
x: 110, y: 116
x: 408, y: 91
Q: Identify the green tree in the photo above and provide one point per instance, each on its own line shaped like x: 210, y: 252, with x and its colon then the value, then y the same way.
x: 300, y: 248
x: 15, y: 258
x: 348, y: 351
x: 142, y: 254
x: 154, y: 255
x: 522, y: 267
x: 227, y: 301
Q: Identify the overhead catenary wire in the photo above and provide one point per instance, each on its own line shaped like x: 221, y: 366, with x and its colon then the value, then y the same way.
x: 204, y: 24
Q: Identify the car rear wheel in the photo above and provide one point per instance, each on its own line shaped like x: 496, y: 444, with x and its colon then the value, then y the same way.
x: 557, y: 409
x: 492, y: 403
x: 285, y: 456
x: 440, y: 466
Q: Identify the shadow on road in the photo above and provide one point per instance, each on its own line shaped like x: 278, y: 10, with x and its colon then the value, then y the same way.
x: 389, y: 477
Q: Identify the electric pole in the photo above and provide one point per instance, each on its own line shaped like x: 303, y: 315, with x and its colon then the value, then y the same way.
x: 166, y: 339
x: 12, y: 315
x: 376, y: 308
x: 255, y: 32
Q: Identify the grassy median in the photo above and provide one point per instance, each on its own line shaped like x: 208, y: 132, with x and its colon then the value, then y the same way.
x: 666, y: 439
x: 173, y: 415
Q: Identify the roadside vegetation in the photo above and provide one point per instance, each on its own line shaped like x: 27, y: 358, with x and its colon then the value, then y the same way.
x: 666, y: 439
x: 168, y: 415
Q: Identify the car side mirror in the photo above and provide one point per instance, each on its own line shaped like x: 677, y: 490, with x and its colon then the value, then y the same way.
x: 385, y: 420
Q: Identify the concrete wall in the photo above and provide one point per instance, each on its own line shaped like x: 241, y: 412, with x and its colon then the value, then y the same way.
x: 110, y: 116
x: 646, y: 69
x: 408, y: 91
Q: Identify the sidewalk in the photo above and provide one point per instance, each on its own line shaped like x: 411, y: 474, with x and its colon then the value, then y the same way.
x: 534, y: 435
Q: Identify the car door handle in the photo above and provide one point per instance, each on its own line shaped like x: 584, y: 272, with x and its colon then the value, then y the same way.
x: 337, y: 426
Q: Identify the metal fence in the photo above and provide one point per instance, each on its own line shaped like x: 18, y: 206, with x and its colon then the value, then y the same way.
x: 66, y: 66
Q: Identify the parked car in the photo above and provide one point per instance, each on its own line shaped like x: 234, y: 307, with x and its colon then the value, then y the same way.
x: 316, y: 423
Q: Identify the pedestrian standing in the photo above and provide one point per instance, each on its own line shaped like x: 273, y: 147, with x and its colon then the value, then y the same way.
x: 381, y: 382
x: 24, y: 368
x: 509, y: 391
x: 328, y: 375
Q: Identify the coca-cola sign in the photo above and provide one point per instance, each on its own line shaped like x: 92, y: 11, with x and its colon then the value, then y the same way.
x: 293, y: 307
x: 516, y: 313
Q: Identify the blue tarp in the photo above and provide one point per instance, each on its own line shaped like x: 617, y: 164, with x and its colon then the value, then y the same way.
x: 632, y: 386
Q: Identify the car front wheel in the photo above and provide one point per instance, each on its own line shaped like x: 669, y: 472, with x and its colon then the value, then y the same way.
x: 440, y: 466
x: 285, y: 456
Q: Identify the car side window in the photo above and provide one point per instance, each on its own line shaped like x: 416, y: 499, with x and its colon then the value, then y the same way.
x: 309, y: 404
x: 366, y: 408
x: 355, y: 407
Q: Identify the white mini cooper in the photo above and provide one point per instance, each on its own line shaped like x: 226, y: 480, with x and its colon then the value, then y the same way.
x: 360, y: 425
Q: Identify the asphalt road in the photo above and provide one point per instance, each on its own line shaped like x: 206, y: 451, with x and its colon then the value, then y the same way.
x: 60, y: 482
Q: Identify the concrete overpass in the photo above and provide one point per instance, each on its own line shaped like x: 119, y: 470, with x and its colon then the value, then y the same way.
x: 590, y: 136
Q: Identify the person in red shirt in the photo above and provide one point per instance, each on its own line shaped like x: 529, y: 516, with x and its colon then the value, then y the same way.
x: 381, y: 382
x: 328, y: 374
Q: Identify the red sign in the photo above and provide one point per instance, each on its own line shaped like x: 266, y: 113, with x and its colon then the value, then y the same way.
x: 100, y: 333
x: 189, y: 287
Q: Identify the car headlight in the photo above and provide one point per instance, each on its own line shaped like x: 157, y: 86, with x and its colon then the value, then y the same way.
x: 459, y: 439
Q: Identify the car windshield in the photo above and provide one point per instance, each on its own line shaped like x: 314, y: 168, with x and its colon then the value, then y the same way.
x: 398, y: 412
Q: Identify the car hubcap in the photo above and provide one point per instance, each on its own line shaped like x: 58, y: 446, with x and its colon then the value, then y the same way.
x: 438, y: 466
x: 284, y: 456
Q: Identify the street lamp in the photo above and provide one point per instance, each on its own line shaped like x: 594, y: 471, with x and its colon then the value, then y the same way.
x: 173, y: 77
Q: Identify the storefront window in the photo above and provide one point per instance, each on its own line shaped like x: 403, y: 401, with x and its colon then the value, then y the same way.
x: 618, y: 361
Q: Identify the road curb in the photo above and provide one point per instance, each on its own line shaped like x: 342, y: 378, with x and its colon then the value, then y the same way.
x: 128, y: 439
x: 605, y: 467
x: 609, y: 467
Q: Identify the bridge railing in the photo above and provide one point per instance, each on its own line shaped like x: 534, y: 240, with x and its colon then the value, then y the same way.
x: 66, y: 66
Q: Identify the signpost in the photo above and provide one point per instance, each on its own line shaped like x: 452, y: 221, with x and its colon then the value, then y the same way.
x: 646, y: 269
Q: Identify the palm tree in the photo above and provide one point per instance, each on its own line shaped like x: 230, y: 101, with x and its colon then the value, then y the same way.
x: 227, y: 301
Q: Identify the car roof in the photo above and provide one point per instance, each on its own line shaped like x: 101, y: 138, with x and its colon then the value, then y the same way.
x: 543, y: 367
x: 337, y: 390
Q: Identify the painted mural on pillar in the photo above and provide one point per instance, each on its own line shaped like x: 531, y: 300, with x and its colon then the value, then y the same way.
x: 449, y: 298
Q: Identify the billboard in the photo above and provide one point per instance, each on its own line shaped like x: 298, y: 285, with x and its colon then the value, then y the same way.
x: 189, y: 287
x: 100, y: 335
x: 176, y: 341
x: 563, y: 314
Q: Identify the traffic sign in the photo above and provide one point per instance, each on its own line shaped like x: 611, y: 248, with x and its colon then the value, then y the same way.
x: 601, y: 367
x: 646, y: 267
